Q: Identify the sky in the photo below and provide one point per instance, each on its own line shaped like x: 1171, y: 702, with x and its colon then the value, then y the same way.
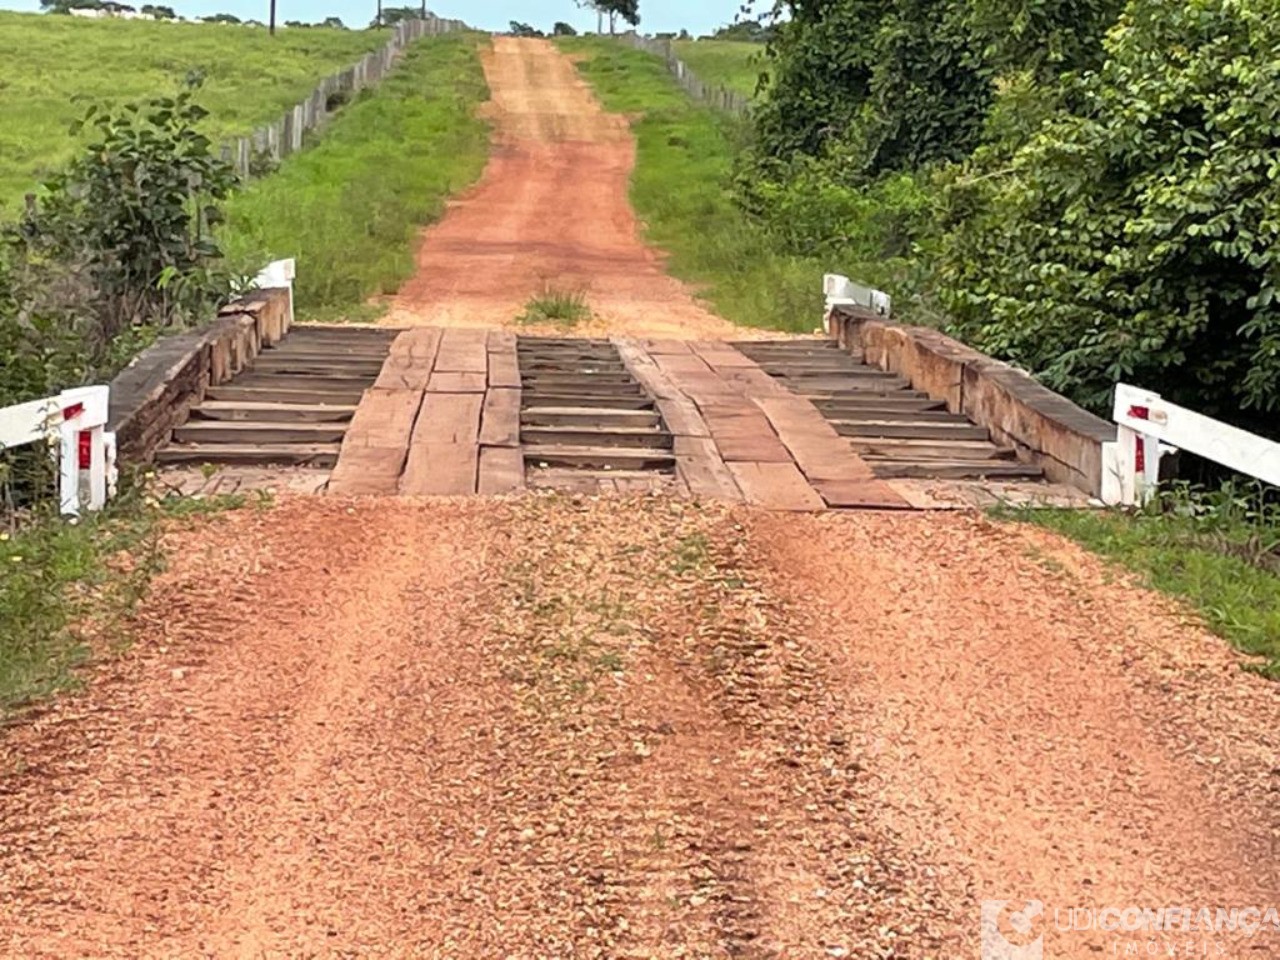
x: 656, y: 16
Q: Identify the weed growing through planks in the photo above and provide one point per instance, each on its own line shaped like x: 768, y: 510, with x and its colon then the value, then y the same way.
x: 350, y: 208
x: 565, y: 308
x: 1218, y: 550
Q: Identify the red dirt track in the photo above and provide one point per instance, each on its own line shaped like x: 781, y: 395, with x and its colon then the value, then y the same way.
x: 551, y: 210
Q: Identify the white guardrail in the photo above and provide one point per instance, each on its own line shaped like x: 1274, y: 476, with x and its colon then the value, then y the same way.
x: 840, y: 291
x: 72, y: 425
x: 1149, y: 427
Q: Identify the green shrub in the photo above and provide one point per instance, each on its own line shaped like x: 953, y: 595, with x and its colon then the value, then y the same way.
x: 1135, y: 237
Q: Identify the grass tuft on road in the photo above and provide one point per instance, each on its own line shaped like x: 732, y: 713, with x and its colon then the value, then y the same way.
x: 350, y: 207
x: 1217, y: 552
x: 680, y: 190
x: 51, y: 61
x: 567, y: 308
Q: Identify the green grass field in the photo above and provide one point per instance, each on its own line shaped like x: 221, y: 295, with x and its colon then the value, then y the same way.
x: 680, y: 190
x: 51, y: 60
x: 728, y: 63
x: 350, y: 207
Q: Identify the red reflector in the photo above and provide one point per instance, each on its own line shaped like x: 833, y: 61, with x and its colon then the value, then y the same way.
x: 1140, y: 456
x: 85, y: 439
x: 1140, y: 413
x: 73, y: 411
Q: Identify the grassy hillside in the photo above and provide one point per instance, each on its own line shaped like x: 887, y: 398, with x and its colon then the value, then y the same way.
x: 729, y: 63
x: 50, y: 60
x: 350, y: 207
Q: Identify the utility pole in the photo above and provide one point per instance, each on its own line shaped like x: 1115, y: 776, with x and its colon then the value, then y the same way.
x: 379, y: 19
x: 271, y: 28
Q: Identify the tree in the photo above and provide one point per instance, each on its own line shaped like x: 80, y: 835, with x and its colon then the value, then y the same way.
x: 562, y: 29
x: 628, y: 10
x: 390, y: 16
x: 333, y: 23
x: 1134, y: 235
x: 518, y: 29
x: 159, y: 13
x: 221, y: 18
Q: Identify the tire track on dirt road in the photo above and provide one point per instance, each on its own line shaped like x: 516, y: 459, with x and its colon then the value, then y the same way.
x: 629, y: 727
x: 551, y: 208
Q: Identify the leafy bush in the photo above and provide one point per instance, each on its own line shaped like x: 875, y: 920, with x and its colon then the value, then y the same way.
x: 1135, y: 237
x: 117, y: 247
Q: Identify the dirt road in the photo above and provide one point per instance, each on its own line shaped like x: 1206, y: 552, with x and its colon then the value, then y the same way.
x: 550, y: 211
x: 632, y: 728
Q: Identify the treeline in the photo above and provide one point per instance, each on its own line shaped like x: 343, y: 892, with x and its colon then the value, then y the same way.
x: 1087, y: 188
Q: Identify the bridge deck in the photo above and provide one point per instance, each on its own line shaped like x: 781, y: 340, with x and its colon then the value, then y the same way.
x: 793, y: 424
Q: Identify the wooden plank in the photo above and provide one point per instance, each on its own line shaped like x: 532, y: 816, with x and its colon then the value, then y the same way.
x: 440, y: 469
x: 368, y: 471
x: 260, y: 412
x: 667, y: 347
x: 646, y: 372
x: 597, y: 436
x: 385, y: 418
x: 602, y: 458
x: 720, y: 355
x: 742, y: 432
x: 587, y: 417
x: 682, y: 418
x: 699, y: 465
x: 931, y: 449
x: 860, y: 494
x: 953, y: 469
x: 955, y: 429
x: 500, y: 418
x: 753, y: 382
x: 408, y: 365
x: 246, y: 431
x: 681, y: 366
x: 456, y: 383
x: 463, y: 351
x: 448, y: 418
x: 502, y: 341
x: 501, y: 470
x: 235, y: 393
x: 402, y: 373
x: 812, y: 442
x: 504, y: 369
x: 776, y: 486
x: 294, y: 454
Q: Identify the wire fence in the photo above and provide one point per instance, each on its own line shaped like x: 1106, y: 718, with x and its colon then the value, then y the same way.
x: 720, y: 97
x: 272, y: 142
